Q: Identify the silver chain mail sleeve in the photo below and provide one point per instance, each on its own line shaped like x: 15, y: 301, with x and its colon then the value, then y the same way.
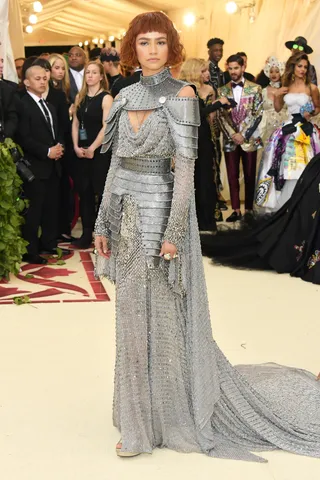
x: 184, y: 119
x: 111, y: 138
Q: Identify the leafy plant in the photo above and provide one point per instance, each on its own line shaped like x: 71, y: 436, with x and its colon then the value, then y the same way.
x: 12, y: 246
x: 21, y: 300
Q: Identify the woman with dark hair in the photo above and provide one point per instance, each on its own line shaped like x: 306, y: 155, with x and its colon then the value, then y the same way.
x: 173, y: 386
x: 92, y: 106
x: 292, y: 146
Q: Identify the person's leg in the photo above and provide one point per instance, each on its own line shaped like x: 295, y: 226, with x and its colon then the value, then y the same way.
x: 49, y: 220
x: 35, y: 194
x: 233, y: 164
x: 249, y: 163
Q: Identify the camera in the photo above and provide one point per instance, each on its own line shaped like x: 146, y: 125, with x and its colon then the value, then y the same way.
x: 22, y: 165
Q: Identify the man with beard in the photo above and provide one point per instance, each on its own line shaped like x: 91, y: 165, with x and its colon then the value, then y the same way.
x: 77, y: 61
x: 240, y: 134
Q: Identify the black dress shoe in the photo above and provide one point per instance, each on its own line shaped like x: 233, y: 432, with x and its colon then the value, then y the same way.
x: 248, y: 218
x: 33, y: 258
x: 234, y: 217
x: 63, y: 239
x: 82, y: 243
x: 222, y: 205
x: 53, y: 251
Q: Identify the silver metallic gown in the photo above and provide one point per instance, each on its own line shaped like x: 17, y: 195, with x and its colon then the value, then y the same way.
x: 174, y: 388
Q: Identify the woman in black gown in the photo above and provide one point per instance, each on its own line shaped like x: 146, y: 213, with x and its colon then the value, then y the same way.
x: 196, y: 71
x: 92, y: 106
x: 287, y: 242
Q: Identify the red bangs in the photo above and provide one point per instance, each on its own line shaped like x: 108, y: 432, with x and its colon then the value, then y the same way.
x: 151, y: 22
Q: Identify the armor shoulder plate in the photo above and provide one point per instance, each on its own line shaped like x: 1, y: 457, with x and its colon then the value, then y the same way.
x: 184, y: 119
x: 111, y: 122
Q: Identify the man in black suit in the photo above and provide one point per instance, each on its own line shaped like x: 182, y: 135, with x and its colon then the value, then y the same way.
x: 39, y: 137
x: 77, y: 61
x: 8, y: 111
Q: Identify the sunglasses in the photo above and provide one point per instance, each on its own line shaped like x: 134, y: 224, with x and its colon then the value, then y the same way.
x: 298, y: 47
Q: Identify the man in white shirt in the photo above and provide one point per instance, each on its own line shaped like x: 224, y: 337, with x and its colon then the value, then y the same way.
x: 77, y: 61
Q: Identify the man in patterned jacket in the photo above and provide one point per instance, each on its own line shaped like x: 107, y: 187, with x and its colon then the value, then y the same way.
x: 241, y: 134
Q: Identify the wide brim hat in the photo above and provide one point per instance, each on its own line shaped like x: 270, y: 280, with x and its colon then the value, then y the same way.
x: 302, y: 42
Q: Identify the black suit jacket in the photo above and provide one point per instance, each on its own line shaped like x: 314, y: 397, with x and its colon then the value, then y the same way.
x: 58, y: 99
x: 35, y: 137
x: 8, y: 113
x: 73, y: 88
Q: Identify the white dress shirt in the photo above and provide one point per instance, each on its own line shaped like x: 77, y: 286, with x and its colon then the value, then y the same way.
x: 78, y: 77
x: 237, y: 92
x: 37, y: 100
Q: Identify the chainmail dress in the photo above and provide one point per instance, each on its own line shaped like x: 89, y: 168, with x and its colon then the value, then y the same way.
x: 174, y: 388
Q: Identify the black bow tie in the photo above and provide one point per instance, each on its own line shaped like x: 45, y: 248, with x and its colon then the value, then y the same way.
x: 234, y: 85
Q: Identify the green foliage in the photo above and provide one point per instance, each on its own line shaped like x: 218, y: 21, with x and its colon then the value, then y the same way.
x: 12, y: 246
x: 21, y: 300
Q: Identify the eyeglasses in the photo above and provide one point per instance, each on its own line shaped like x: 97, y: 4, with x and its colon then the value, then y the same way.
x: 298, y: 47
x: 77, y: 55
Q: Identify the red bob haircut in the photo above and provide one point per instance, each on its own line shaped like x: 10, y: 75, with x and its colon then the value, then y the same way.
x: 151, y: 22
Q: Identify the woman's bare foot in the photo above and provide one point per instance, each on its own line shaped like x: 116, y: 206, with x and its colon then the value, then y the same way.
x: 124, y: 454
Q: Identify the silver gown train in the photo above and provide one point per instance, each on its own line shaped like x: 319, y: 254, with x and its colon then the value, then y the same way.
x: 174, y: 388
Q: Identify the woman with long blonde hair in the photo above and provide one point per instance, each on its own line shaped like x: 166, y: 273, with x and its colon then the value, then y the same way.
x: 196, y: 72
x: 60, y: 73
x: 92, y: 105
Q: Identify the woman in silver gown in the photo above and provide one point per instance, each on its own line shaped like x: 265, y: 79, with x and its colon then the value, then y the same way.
x: 174, y: 388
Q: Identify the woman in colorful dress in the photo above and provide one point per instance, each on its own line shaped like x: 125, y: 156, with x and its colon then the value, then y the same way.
x: 292, y: 146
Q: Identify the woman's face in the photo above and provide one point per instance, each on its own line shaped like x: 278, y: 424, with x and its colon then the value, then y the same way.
x: 152, y: 51
x: 58, y: 70
x: 205, y: 75
x: 275, y: 74
x: 92, y: 75
x: 300, y: 70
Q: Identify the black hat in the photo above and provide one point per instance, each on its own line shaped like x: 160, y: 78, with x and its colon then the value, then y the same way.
x: 94, y: 54
x: 301, y: 42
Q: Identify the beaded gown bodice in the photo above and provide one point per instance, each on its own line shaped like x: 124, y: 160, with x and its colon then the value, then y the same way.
x: 153, y: 139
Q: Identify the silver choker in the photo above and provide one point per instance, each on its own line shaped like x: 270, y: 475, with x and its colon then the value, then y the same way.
x: 275, y: 84
x: 155, y: 79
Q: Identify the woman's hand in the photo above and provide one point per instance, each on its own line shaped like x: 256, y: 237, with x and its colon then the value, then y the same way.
x: 307, y: 116
x: 80, y: 152
x: 89, y: 152
x: 168, y: 248
x: 101, y: 245
x: 224, y: 101
x: 281, y: 91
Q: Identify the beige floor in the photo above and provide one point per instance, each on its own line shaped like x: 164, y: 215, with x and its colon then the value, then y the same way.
x: 56, y: 369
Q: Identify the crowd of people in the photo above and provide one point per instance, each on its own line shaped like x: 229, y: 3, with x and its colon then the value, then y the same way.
x: 174, y: 388
x: 63, y: 102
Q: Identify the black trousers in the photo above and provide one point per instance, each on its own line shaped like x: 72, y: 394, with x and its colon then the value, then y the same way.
x: 90, y: 176
x: 43, y: 196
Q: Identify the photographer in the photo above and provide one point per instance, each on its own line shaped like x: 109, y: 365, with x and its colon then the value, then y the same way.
x: 39, y: 137
x: 8, y: 112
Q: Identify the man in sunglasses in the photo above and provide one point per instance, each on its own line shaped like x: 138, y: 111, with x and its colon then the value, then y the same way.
x: 300, y: 45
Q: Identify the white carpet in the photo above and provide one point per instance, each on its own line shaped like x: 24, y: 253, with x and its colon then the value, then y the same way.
x: 56, y: 372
